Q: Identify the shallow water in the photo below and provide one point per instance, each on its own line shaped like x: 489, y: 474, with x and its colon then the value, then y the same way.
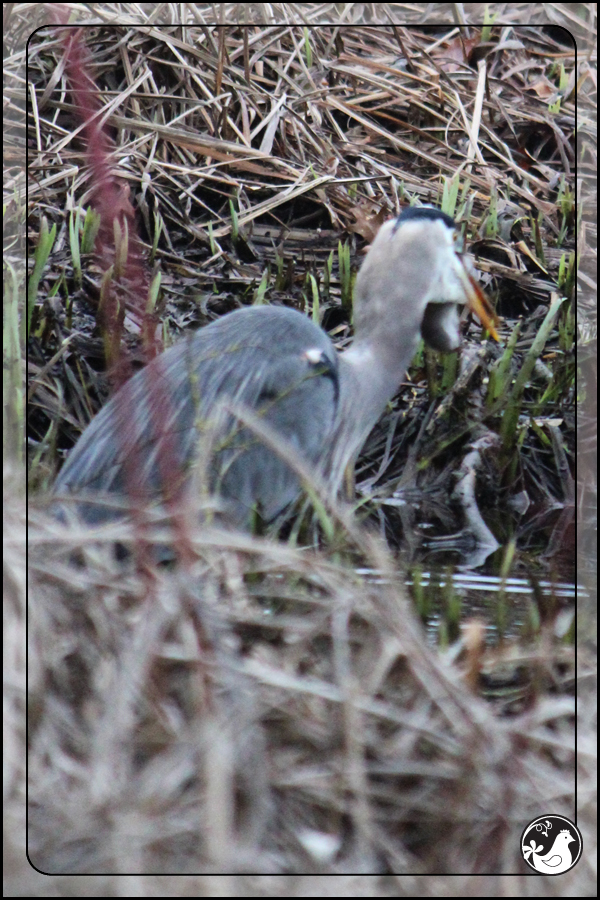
x: 509, y: 608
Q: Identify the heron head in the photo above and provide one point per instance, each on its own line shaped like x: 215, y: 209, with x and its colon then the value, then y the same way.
x: 415, y: 273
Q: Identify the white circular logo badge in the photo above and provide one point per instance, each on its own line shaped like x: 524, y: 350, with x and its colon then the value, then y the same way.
x: 551, y: 845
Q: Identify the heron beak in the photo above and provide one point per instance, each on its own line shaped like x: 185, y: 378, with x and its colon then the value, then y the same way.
x: 477, y: 302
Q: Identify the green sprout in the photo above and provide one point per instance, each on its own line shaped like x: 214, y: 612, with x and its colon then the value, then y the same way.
x: 307, y: 48
x: 488, y: 21
x: 74, y: 233
x: 327, y: 276
x: 510, y: 418
x: 346, y: 280
x: 13, y: 389
x: 567, y: 273
x: 259, y: 294
x: 42, y: 252
x: 211, y: 238
x: 158, y: 227
x: 91, y: 226
x: 235, y: 228
x: 153, y: 293
x: 450, y: 195
x: 311, y: 282
x: 500, y: 373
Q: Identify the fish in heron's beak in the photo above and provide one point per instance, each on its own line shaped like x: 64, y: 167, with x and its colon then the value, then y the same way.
x: 440, y: 325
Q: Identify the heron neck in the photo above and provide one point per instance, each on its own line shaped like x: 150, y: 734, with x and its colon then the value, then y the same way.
x: 377, y: 369
x: 370, y: 374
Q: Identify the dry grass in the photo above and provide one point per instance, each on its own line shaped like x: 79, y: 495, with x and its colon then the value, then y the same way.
x: 262, y: 708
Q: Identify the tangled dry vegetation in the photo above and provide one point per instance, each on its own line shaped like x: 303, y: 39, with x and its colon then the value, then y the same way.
x: 260, y: 162
x: 262, y: 708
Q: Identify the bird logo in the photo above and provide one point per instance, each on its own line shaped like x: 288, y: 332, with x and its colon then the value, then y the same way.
x: 557, y: 852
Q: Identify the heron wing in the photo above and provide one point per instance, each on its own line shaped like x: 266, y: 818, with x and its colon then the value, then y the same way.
x: 149, y: 434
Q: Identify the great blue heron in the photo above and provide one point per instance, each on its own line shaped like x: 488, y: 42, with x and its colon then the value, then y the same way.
x: 282, y: 367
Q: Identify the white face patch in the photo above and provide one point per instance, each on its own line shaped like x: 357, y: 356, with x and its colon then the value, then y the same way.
x: 439, y: 238
x: 449, y: 285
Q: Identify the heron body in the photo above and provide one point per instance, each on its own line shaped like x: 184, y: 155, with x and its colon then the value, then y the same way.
x: 178, y: 414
